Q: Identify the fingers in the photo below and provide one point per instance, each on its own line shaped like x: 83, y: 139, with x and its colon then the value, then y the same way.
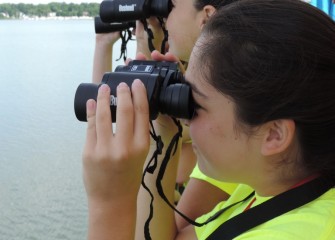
x: 128, y: 60
x: 91, y: 137
x: 157, y: 56
x: 103, y: 115
x: 132, y: 118
x: 140, y: 56
x: 141, y: 111
x: 124, y: 114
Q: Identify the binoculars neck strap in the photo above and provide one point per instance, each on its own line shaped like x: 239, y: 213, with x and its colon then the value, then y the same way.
x: 125, y: 37
x: 152, y: 166
x: 272, y: 208
x: 151, y: 35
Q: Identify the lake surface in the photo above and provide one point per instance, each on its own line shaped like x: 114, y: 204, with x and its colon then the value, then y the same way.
x: 42, y: 195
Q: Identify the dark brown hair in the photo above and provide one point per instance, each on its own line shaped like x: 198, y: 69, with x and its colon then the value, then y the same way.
x: 276, y: 60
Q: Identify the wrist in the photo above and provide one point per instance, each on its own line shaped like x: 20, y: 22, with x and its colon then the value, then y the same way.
x: 142, y: 47
x: 101, y: 207
x: 101, y: 39
x: 165, y: 127
x: 108, y: 218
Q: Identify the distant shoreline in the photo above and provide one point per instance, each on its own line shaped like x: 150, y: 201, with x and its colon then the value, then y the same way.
x: 49, y: 18
x: 53, y: 11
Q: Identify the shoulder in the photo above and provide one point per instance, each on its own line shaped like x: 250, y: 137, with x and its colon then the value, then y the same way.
x: 315, y: 220
x: 239, y: 194
x: 224, y: 186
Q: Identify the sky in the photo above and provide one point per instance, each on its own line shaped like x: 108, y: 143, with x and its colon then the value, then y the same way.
x: 48, y: 1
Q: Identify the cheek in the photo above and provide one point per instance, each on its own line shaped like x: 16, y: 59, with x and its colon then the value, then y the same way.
x: 207, y: 146
x: 206, y: 136
x: 218, y: 154
x: 171, y: 21
x: 179, y: 26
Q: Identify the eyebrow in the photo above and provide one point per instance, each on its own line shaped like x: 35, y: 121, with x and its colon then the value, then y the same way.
x: 195, y: 89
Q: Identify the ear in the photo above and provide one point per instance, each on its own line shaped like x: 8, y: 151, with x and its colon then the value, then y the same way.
x: 206, y: 13
x: 279, y: 135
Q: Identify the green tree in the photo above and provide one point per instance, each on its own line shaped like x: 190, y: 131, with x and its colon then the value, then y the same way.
x: 42, y: 10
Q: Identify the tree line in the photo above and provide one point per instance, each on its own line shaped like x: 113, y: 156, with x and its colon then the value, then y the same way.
x: 8, y: 10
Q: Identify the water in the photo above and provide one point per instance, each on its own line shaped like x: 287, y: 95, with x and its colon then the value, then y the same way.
x: 41, y: 191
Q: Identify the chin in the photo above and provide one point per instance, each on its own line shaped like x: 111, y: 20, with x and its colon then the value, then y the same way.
x: 207, y: 169
x: 203, y: 166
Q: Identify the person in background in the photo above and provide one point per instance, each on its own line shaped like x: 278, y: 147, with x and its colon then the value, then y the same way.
x: 262, y: 77
x: 193, y: 14
x: 103, y: 51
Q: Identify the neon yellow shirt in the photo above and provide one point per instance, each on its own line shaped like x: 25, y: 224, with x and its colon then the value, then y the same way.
x: 224, y: 186
x: 315, y: 220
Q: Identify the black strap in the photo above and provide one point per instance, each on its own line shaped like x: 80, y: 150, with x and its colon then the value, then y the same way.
x: 166, y: 35
x: 152, y: 165
x: 125, y: 37
x: 150, y: 168
x: 272, y: 208
x: 241, y: 223
x: 151, y: 35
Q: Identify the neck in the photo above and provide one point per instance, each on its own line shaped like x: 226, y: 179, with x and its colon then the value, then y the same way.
x: 273, y: 187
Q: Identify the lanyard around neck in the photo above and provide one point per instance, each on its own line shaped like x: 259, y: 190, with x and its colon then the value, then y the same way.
x: 272, y: 208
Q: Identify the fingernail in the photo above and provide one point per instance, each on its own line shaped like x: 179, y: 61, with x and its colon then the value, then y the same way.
x: 90, y: 104
x: 138, y: 82
x: 104, y: 88
x: 122, y: 85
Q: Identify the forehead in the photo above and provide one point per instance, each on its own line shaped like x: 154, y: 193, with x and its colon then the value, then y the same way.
x: 190, y: 71
x: 194, y: 65
x: 196, y: 76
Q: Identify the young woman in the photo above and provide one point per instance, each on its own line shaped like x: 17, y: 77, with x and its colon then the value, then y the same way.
x: 262, y: 76
x: 193, y: 14
x: 103, y: 51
